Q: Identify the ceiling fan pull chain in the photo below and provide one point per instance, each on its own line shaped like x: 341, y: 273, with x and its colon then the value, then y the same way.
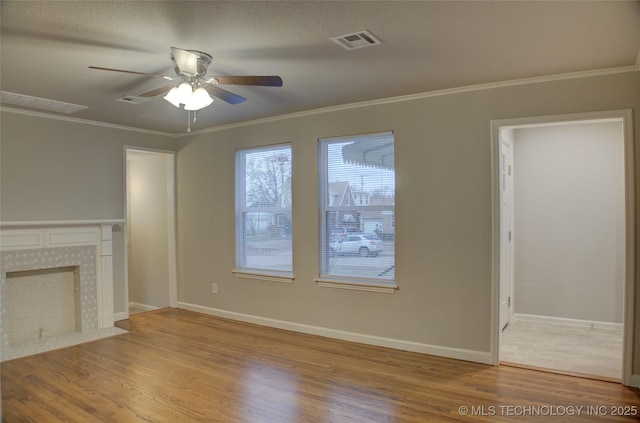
x: 188, y: 121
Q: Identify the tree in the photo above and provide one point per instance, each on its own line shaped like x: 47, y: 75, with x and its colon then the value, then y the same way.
x: 269, y: 179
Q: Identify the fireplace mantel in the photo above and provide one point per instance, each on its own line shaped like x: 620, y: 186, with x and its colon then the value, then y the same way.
x: 43, y: 234
x: 8, y: 224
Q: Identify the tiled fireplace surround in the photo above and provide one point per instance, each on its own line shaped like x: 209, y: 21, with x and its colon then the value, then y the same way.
x: 86, y: 245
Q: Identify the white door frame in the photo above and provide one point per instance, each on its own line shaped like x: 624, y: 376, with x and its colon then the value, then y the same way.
x: 626, y: 116
x: 171, y: 218
x: 506, y: 231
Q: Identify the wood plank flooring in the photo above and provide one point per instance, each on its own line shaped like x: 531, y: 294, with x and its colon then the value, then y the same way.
x: 179, y: 366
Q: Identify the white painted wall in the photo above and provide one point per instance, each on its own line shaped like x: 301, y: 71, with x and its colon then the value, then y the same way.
x: 148, y: 184
x: 569, y: 221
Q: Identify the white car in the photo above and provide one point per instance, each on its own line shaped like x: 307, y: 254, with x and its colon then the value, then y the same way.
x: 362, y: 244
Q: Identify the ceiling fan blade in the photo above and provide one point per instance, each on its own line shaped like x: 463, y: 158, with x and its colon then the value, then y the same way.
x: 225, y: 95
x: 264, y: 81
x: 157, y: 91
x: 133, y: 72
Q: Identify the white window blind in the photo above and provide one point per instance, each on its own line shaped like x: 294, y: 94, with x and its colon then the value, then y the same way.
x: 263, y: 209
x: 357, y: 209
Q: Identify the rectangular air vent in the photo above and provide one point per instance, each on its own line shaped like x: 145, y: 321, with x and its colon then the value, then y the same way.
x: 356, y: 40
x: 39, y: 103
x: 132, y: 99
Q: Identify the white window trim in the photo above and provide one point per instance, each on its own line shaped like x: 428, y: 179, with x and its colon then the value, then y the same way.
x: 262, y: 275
x: 240, y: 185
x: 358, y: 285
x: 389, y: 286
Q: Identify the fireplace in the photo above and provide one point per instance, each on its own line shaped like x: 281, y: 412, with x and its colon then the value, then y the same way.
x: 57, y: 285
x: 42, y: 303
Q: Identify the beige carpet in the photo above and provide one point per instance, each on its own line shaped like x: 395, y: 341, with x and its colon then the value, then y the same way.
x: 569, y: 348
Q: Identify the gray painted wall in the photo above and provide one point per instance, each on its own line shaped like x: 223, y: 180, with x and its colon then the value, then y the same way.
x: 59, y: 170
x: 569, y: 221
x: 443, y: 211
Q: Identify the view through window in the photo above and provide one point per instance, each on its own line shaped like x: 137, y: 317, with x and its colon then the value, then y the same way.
x: 357, y: 186
x: 263, y: 208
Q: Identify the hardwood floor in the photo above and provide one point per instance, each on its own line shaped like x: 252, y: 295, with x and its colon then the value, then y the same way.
x: 179, y: 366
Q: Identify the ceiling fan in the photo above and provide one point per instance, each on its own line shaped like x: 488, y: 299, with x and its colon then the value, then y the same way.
x: 196, y: 89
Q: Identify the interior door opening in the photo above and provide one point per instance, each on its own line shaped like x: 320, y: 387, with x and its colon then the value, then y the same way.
x: 150, y: 211
x: 565, y: 219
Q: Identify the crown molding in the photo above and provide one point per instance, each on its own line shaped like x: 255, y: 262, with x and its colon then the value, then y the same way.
x: 428, y: 94
x: 85, y: 121
x: 377, y: 102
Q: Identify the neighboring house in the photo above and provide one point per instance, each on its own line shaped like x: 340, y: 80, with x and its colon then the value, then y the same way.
x: 341, y: 195
x: 381, y: 222
x: 270, y: 220
x: 361, y: 198
x: 360, y: 218
x: 282, y: 219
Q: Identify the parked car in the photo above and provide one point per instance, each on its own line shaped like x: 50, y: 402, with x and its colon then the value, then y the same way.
x: 362, y: 244
x: 338, y: 233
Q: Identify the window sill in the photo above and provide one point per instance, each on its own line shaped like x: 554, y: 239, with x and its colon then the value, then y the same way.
x: 281, y: 277
x: 358, y: 286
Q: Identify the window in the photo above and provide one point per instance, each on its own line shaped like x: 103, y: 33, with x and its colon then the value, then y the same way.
x: 357, y: 212
x: 263, y: 210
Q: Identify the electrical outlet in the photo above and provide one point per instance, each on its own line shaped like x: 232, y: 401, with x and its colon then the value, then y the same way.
x: 214, y: 288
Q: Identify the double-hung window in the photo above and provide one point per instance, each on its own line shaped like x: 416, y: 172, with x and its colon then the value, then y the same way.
x: 357, y: 212
x: 263, y: 211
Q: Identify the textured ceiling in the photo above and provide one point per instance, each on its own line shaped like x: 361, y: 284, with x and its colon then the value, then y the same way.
x: 46, y: 48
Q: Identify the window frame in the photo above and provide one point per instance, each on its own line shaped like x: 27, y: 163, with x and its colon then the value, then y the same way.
x: 240, y: 189
x: 343, y: 281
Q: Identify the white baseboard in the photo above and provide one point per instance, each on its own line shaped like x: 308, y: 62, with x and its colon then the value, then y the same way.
x: 456, y: 353
x: 144, y: 307
x: 519, y: 317
x: 124, y: 315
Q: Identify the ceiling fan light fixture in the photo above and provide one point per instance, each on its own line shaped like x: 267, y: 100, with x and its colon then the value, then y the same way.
x: 173, y: 97
x: 184, y: 91
x: 199, y: 99
x: 192, y: 99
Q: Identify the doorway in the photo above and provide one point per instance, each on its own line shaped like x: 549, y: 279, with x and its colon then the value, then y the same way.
x: 151, y: 236
x: 564, y: 241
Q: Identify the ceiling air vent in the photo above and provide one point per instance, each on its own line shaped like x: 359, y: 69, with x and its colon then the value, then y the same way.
x: 132, y: 99
x: 356, y: 40
x: 39, y: 103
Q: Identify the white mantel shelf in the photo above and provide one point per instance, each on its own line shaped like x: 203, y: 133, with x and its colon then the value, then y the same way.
x: 56, y: 223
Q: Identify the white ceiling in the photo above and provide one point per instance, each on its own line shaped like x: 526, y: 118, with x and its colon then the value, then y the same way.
x: 46, y: 48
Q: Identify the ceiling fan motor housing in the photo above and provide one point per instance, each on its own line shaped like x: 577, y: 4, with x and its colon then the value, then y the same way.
x: 190, y: 63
